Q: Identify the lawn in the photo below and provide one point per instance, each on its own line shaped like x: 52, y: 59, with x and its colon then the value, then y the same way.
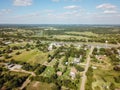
x: 48, y: 71
x: 61, y: 66
x: 52, y: 62
x: 66, y: 75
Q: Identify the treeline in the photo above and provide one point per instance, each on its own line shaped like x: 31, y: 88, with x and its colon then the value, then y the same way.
x: 37, y: 68
x: 11, y: 81
x: 98, y: 30
x: 91, y: 39
x: 89, y: 74
x: 59, y: 83
x: 28, y: 67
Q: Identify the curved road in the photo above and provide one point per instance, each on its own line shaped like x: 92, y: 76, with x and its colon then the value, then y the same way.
x: 82, y: 87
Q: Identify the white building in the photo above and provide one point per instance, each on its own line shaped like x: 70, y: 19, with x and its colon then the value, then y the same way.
x: 118, y: 52
x: 56, y: 44
x: 72, y: 74
x: 76, y: 60
x: 6, y: 43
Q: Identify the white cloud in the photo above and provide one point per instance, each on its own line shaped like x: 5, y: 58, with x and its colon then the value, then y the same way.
x: 106, y: 6
x: 110, y: 12
x: 75, y: 0
x: 49, y: 11
x: 72, y: 7
x: 71, y: 13
x: 6, y: 11
x: 22, y: 2
x: 65, y: 0
x: 55, y: 0
x: 72, y: 0
x: 35, y: 14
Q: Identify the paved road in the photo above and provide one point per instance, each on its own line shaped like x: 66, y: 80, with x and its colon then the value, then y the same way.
x: 90, y: 44
x: 82, y: 87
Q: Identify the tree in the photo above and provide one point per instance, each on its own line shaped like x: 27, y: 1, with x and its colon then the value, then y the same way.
x: 79, y: 68
x: 27, y: 45
x: 40, y: 69
x: 17, y: 53
x: 112, y: 86
x: 7, y: 56
x: 117, y: 79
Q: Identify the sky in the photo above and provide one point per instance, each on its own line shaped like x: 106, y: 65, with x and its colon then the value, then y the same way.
x: 59, y: 11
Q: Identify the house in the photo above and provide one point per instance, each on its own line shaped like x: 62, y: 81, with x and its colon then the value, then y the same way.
x: 50, y: 47
x: 56, y: 44
x: 100, y: 57
x: 77, y: 46
x: 6, y: 43
x: 10, y: 66
x: 118, y: 52
x: 98, y: 49
x: 94, y: 67
x: 16, y: 67
x: 59, y: 73
x: 80, y: 57
x: 13, y: 66
x: 66, y: 63
x: 73, y: 72
x: 76, y: 60
x: 85, y: 48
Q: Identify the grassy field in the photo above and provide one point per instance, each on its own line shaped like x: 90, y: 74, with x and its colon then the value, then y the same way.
x: 39, y: 86
x: 26, y: 55
x: 32, y: 56
x: 104, y: 75
x: 104, y: 78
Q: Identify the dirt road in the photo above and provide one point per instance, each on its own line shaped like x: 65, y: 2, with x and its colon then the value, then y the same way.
x: 25, y: 84
x: 27, y: 81
x: 82, y: 87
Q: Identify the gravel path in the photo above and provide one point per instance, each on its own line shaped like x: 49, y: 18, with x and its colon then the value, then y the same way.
x: 82, y: 87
